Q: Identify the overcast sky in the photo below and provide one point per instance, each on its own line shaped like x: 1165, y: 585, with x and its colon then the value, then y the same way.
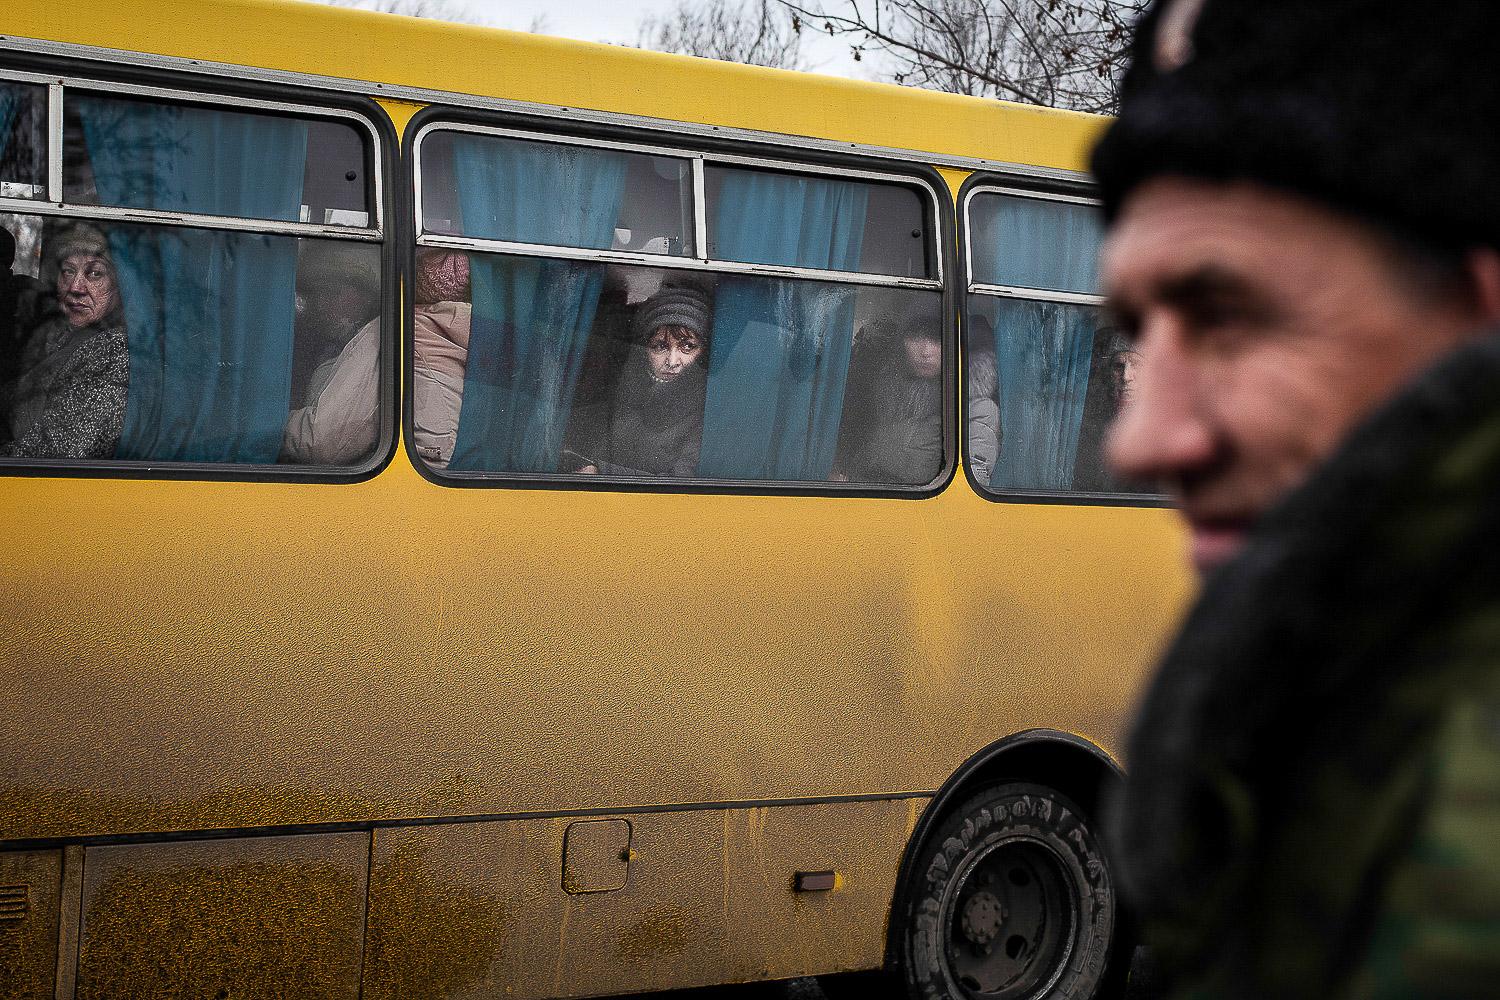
x: 617, y: 21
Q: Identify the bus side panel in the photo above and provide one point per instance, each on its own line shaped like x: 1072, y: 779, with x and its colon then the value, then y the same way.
x: 480, y: 909
x: 30, y: 900
x: 204, y: 656
x: 235, y: 917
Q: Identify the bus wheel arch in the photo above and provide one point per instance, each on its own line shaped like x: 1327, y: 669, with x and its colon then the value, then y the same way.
x: 1027, y: 805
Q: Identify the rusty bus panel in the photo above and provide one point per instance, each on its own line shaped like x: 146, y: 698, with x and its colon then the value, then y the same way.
x: 233, y: 917
x: 479, y: 909
x: 30, y: 900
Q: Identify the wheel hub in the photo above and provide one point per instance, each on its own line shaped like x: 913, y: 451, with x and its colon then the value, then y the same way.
x: 982, y: 918
x: 1011, y: 922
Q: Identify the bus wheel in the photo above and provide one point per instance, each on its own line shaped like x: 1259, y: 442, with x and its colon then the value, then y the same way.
x: 1011, y: 898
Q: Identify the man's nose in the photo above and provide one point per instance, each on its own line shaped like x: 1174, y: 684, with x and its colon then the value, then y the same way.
x: 1161, y: 434
x: 674, y: 359
x: 76, y: 283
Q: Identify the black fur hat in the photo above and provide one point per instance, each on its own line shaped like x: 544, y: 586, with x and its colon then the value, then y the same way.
x: 1385, y: 109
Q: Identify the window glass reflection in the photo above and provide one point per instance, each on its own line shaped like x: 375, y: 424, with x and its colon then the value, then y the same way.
x: 23, y: 141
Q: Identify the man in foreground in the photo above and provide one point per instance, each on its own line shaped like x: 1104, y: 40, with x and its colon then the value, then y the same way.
x: 1305, y: 251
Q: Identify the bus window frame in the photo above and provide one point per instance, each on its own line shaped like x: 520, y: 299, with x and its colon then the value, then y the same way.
x: 1023, y: 186
x: 125, y: 77
x: 629, y: 136
x: 699, y: 260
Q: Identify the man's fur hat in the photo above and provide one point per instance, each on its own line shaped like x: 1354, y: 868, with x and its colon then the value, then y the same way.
x: 1383, y: 109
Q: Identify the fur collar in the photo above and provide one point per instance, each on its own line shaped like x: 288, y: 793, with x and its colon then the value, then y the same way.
x: 1312, y: 671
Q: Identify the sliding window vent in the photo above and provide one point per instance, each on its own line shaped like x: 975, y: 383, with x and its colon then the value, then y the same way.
x: 15, y: 901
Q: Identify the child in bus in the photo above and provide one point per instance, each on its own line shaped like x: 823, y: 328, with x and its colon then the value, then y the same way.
x: 653, y: 426
x: 69, y: 401
x: 900, y: 437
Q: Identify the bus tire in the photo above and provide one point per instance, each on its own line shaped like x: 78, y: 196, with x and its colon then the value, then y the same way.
x: 1010, y: 898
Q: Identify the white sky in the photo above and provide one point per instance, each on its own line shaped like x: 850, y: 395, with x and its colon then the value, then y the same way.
x: 617, y: 21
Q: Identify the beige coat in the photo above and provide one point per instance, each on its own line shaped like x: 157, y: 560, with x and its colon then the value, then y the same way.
x: 341, y: 425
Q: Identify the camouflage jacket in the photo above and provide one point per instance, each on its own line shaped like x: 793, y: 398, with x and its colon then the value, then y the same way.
x: 1314, y: 808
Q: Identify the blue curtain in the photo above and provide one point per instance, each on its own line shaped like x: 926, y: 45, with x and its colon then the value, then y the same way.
x: 11, y: 96
x: 531, y: 317
x: 1031, y: 243
x: 779, y: 356
x: 209, y: 314
x: 1043, y: 352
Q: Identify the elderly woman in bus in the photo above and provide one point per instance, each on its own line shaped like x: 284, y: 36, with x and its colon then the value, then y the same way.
x: 69, y: 400
x: 654, y: 424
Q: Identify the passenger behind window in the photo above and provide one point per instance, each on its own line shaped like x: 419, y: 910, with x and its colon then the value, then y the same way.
x: 341, y: 424
x: 22, y: 299
x: 1111, y: 381
x: 440, y: 344
x: 338, y: 291
x: 900, y: 436
x: 983, y: 384
x: 69, y: 399
x: 653, y: 425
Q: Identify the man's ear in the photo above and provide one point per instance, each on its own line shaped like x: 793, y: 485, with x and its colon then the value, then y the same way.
x: 1483, y: 267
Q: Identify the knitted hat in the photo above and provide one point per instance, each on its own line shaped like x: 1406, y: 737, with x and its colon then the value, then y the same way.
x: 674, y: 305
x: 78, y: 238
x: 1384, y: 109
x: 442, y: 276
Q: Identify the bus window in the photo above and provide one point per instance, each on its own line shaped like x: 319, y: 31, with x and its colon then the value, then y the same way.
x: 172, y: 157
x: 625, y: 201
x: 639, y: 372
x: 593, y: 364
x: 1034, y: 243
x: 23, y: 141
x: 176, y: 344
x: 253, y: 341
x: 1046, y: 376
x: 755, y: 216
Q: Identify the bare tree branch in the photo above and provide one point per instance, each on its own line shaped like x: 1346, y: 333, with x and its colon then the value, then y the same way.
x: 1061, y: 53
x: 438, y: 10
x: 757, y: 32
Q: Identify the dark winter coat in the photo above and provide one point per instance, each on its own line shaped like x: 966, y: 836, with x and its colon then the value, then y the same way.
x: 648, y: 428
x: 1314, y: 805
x: 902, y: 437
x: 23, y: 302
x: 69, y: 401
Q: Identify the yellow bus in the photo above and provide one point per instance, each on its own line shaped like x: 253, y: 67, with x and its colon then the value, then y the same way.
x: 484, y: 515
